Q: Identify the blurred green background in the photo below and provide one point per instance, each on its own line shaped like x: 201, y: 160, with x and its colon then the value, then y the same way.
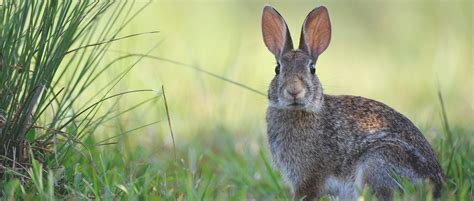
x: 399, y: 53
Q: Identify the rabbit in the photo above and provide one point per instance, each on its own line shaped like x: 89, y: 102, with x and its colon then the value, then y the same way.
x: 335, y: 145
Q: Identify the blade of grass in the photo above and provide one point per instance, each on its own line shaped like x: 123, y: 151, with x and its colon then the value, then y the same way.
x: 169, y: 121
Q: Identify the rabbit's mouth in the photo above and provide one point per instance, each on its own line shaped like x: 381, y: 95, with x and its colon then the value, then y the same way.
x: 288, y: 104
x: 295, y: 104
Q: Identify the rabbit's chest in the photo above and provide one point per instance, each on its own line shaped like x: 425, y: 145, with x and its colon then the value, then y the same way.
x: 294, y: 156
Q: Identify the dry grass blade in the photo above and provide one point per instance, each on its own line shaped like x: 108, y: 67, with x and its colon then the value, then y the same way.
x: 169, y: 121
x: 109, y: 41
x: 197, y: 68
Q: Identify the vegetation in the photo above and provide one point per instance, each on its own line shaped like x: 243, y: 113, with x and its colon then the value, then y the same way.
x: 72, y: 126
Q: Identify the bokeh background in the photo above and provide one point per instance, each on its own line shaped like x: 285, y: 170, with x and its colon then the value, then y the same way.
x: 210, y: 58
x: 400, y: 53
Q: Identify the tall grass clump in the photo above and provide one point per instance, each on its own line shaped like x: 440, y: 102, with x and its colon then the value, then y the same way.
x: 51, y: 54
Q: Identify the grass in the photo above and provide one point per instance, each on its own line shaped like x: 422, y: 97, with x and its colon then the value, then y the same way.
x: 205, y: 169
x: 77, y: 136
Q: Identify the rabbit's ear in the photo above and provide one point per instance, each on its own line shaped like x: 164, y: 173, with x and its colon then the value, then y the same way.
x: 316, y: 32
x: 275, y: 32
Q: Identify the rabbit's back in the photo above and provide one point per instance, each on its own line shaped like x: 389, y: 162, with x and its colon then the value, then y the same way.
x: 367, y: 123
x: 372, y: 125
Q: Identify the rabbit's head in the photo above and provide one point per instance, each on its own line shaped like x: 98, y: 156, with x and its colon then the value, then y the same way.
x: 296, y: 85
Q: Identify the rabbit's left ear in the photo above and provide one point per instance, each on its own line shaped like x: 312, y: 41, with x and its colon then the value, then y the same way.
x: 316, y: 32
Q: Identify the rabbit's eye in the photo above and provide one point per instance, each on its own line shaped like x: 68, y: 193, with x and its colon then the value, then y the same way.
x: 311, y: 68
x: 277, y: 69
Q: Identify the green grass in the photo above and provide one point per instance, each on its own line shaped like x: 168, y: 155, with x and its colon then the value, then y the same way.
x: 207, y: 169
x: 87, y: 125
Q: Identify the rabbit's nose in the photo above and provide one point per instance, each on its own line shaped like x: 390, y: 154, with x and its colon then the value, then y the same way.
x: 295, y: 93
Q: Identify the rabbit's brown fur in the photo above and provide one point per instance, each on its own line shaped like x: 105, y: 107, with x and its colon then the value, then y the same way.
x: 336, y: 145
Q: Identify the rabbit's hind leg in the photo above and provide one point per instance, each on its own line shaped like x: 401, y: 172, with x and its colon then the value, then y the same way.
x: 381, y: 174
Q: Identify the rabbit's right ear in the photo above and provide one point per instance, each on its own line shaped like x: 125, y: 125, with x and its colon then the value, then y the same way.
x: 275, y: 32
